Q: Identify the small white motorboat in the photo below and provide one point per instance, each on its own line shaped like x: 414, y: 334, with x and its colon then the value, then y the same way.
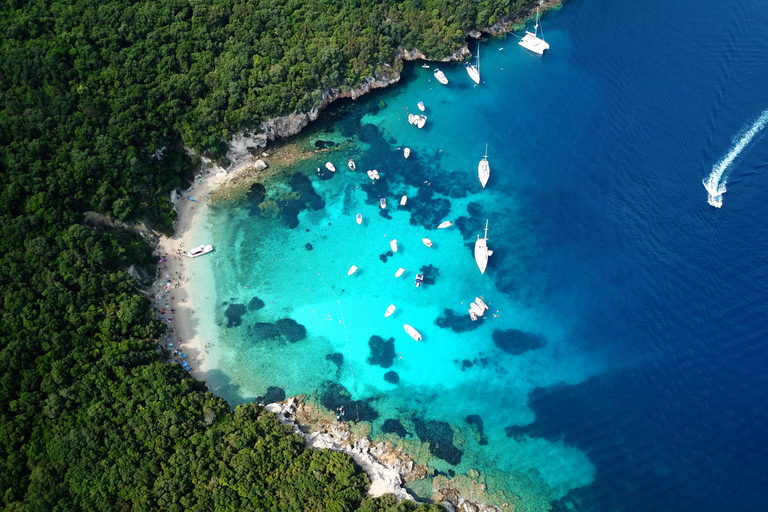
x: 421, y: 106
x: 411, y: 118
x: 425, y: 66
x: 427, y: 242
x: 477, y: 309
x: 399, y: 272
x: 412, y: 332
x: 407, y: 152
x: 351, y: 164
x: 383, y: 203
x: 481, y: 303
x: 472, y: 315
x: 390, y: 310
x: 393, y: 244
x: 352, y: 270
x: 199, y: 251
x: 445, y: 224
x: 359, y: 218
x: 440, y: 76
x: 419, y: 279
x: 330, y: 167
x: 375, y: 174
x: 403, y: 200
x: 420, y: 121
x: 371, y: 175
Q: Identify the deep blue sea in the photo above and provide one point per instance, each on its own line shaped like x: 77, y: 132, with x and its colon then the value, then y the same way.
x: 623, y: 364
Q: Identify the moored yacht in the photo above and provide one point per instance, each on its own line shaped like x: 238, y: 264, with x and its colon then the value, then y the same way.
x: 412, y: 332
x: 393, y: 245
x: 407, y: 152
x: 330, y: 167
x: 352, y: 270
x: 476, y: 309
x: 440, y: 76
x: 421, y: 106
x: 532, y: 42
x: 390, y: 310
x: 199, y: 251
x: 481, y: 250
x: 427, y: 242
x: 359, y: 218
x: 472, y: 71
x: 383, y: 203
x: 351, y: 164
x: 403, y: 200
x: 445, y: 224
x: 419, y: 279
x: 484, y: 169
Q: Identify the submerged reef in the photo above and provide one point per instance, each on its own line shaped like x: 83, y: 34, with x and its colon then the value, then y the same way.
x: 473, y: 420
x: 430, y: 273
x: 429, y: 211
x: 336, y: 398
x: 393, y: 426
x: 264, y: 331
x: 517, y: 342
x: 457, y: 323
x: 304, y: 198
x: 234, y: 314
x: 439, y: 435
x: 291, y: 329
x: 273, y: 395
x: 382, y: 351
x: 392, y: 377
x: 255, y: 304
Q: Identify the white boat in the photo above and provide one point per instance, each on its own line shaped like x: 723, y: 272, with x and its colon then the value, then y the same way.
x: 445, y: 224
x: 425, y: 66
x: 532, y: 42
x: 403, y: 200
x: 199, y: 251
x: 399, y: 272
x: 393, y: 244
x: 419, y: 279
x: 330, y: 167
x: 716, y: 201
x: 427, y: 242
x: 382, y: 203
x: 411, y: 118
x: 481, y: 303
x: 421, y: 120
x: 420, y: 105
x: 407, y: 152
x: 441, y: 77
x: 352, y: 270
x: 351, y: 164
x: 370, y: 174
x: 412, y: 332
x: 359, y: 218
x: 472, y: 314
x: 476, y: 309
x: 390, y: 310
x: 481, y: 250
x: 484, y: 169
x: 472, y: 71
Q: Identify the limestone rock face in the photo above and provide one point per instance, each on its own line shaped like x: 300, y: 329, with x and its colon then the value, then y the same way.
x: 385, y: 466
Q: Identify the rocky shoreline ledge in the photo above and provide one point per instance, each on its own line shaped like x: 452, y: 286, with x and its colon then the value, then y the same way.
x: 388, y: 467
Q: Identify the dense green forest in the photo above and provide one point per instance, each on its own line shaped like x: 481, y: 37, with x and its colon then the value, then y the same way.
x: 99, y: 100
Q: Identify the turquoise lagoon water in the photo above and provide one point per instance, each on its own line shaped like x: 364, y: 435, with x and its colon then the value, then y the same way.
x: 620, y: 361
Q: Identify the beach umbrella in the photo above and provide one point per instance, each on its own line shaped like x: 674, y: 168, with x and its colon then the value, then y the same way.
x: 183, y: 355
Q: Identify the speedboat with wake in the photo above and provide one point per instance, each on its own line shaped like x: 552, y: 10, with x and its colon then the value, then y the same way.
x: 716, y: 200
x: 413, y: 333
x: 481, y: 250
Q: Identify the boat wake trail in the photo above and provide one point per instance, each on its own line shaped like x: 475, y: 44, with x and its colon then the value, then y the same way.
x: 715, y: 182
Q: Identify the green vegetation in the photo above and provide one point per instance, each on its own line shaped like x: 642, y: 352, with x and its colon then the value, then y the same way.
x: 98, y: 101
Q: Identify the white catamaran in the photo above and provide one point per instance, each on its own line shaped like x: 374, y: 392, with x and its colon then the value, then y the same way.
x: 481, y: 250
x: 483, y: 169
x: 532, y: 42
x: 472, y: 71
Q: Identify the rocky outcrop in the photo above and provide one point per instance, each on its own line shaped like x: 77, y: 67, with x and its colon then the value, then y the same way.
x: 387, y: 467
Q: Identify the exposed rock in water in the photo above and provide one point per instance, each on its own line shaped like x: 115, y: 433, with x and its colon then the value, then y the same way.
x: 265, y: 331
x: 457, y: 323
x: 336, y: 398
x: 255, y: 304
x: 291, y: 329
x: 234, y: 314
x: 255, y: 196
x: 439, y: 435
x: 382, y: 351
x: 517, y: 342
x: 273, y: 395
x: 393, y: 426
x: 392, y: 377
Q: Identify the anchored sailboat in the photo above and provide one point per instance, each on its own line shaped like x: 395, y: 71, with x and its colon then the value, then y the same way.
x: 481, y: 250
x: 483, y: 169
x: 472, y: 71
x: 532, y: 42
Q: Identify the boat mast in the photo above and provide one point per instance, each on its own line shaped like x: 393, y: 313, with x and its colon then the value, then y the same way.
x: 536, y: 26
x: 478, y: 58
x: 486, y: 229
x: 486, y: 152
